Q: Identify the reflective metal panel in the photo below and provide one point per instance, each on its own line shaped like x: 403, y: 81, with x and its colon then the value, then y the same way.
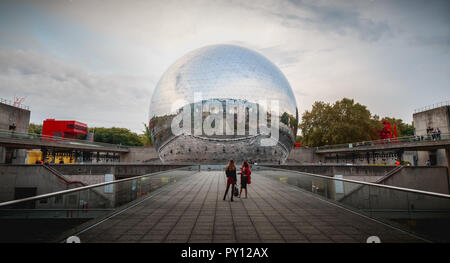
x: 222, y: 75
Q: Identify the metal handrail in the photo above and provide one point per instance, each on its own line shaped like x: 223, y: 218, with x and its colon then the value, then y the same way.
x: 57, y: 209
x: 81, y: 188
x: 411, y: 138
x: 33, y: 136
x: 10, y: 103
x: 61, y: 176
x: 433, y: 106
x: 366, y: 183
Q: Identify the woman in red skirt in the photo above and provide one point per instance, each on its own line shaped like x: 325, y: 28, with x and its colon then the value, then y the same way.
x: 245, y: 177
x: 230, y: 171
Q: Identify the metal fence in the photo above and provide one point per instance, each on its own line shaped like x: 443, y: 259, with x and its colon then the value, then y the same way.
x: 44, y: 138
x: 433, y: 106
x: 11, y: 103
x: 390, y: 141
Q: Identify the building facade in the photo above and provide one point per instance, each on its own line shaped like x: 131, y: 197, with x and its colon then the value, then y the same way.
x: 432, y: 118
x: 13, y: 119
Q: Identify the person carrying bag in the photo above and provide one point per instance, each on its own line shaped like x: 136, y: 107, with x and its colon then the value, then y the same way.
x: 245, y: 178
x: 230, y: 172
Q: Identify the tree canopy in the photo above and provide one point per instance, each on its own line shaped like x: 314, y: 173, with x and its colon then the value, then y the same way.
x: 116, y: 135
x: 146, y: 137
x: 35, y: 128
x: 343, y: 122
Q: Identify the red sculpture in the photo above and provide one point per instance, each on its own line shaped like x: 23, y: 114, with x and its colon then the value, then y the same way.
x: 387, y: 132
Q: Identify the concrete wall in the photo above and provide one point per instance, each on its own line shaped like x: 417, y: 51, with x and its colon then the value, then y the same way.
x: 86, y: 178
x: 434, y: 118
x: 36, y: 176
x: 140, y: 155
x: 10, y: 115
x: 433, y: 179
x: 119, y: 170
x: 436, y: 157
x: 30, y: 176
x: 365, y: 173
x: 302, y: 155
x: 13, y: 156
x: 12, y: 176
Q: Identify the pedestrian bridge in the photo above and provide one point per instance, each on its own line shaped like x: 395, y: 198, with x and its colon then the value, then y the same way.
x: 407, y: 143
x: 186, y: 205
x: 18, y: 140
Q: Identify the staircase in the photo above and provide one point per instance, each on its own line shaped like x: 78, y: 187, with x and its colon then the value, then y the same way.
x: 379, y: 181
x: 62, y: 178
x: 389, y: 174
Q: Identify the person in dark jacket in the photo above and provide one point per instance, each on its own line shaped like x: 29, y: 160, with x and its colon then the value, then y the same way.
x: 245, y: 177
x: 230, y: 171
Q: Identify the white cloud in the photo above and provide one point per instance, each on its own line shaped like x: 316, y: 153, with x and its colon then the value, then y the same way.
x: 55, y: 89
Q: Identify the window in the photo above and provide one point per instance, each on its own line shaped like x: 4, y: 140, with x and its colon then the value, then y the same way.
x: 76, y: 127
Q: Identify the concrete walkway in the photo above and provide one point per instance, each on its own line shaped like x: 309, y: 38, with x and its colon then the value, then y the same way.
x: 192, y: 210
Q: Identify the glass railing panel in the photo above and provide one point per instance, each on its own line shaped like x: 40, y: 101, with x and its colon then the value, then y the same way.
x: 351, y: 195
x: 53, y: 217
x: 389, y: 206
x: 429, y: 215
x: 422, y: 213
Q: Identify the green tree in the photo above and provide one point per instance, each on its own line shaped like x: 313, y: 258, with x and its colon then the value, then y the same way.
x: 35, y: 128
x: 116, y: 135
x: 146, y: 138
x: 342, y: 122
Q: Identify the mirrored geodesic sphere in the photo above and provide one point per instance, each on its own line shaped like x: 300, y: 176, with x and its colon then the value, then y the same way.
x: 232, y: 91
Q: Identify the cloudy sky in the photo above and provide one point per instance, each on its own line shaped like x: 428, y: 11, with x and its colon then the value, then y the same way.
x: 99, y: 61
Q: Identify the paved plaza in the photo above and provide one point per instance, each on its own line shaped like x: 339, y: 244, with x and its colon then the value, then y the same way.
x: 192, y: 210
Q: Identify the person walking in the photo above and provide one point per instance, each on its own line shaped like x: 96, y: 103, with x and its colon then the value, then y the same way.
x: 245, y: 177
x: 230, y: 171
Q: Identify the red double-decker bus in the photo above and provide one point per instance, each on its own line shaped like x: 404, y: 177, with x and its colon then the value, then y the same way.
x: 63, y: 129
